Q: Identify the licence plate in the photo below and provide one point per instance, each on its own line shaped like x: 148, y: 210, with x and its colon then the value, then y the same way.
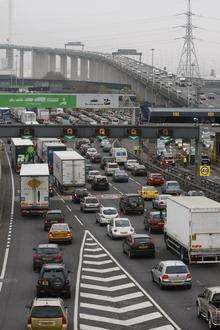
x: 45, y: 282
x: 124, y: 232
x: 142, y: 247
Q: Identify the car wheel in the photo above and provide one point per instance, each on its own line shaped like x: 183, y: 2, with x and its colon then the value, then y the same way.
x: 112, y: 237
x: 130, y: 254
x: 161, y: 285
x: 189, y: 286
x: 211, y: 325
x: 152, y: 278
x: 68, y: 295
x: 199, y: 314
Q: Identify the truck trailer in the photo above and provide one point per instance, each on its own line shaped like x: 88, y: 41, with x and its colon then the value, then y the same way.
x: 69, y: 171
x: 22, y: 152
x: 192, y: 229
x: 34, y: 189
x: 40, y: 142
x: 48, y: 152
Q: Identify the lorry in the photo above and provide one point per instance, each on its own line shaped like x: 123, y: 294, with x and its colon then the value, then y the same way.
x: 192, y: 229
x: 43, y: 116
x: 5, y: 115
x: 69, y: 170
x: 28, y: 117
x: 34, y: 189
x: 22, y: 152
x: 40, y: 142
x: 48, y: 152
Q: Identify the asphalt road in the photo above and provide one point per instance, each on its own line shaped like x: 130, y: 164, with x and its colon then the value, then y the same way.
x: 127, y: 276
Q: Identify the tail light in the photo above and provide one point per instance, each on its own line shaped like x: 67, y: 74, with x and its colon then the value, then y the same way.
x: 59, y: 257
x: 36, y: 256
x: 69, y: 234
x: 50, y: 235
x: 188, y: 276
x: 29, y: 320
x: 165, y: 277
x: 64, y: 320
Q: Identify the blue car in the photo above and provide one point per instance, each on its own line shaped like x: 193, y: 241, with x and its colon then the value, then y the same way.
x: 120, y: 176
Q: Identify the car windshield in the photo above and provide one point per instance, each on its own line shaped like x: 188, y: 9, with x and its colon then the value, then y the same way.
x: 82, y: 192
x: 121, y: 153
x: 156, y: 176
x: 46, y: 312
x: 113, y: 165
x: 176, y: 270
x: 92, y: 200
x: 110, y: 212
x: 102, y: 180
x: 140, y: 240
x: 92, y: 150
x: 47, y: 250
x: 94, y: 173
x: 155, y: 215
x: 149, y: 188
x: 131, y: 161
x: 173, y: 184
x: 122, y: 223
x: 135, y: 199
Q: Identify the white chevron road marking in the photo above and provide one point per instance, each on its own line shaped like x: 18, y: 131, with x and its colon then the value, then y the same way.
x: 129, y: 322
x: 91, y: 244
x: 101, y: 279
x: 89, y: 239
x: 97, y: 256
x: 117, y: 310
x: 101, y: 271
x: 112, y: 299
x: 93, y: 250
x: 165, y: 327
x: 106, y: 288
x: 88, y: 327
x: 98, y: 263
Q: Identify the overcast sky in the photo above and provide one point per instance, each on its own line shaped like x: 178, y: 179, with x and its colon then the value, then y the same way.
x: 108, y: 25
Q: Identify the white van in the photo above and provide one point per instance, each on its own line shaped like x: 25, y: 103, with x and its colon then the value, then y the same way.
x: 120, y: 155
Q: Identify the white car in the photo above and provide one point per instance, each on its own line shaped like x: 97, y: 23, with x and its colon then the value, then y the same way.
x: 106, y: 214
x: 92, y: 174
x: 130, y: 164
x: 90, y: 152
x: 103, y: 142
x: 119, y: 228
x: 110, y: 168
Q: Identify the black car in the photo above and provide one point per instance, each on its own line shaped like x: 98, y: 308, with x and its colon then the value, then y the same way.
x: 79, y: 194
x: 139, y: 170
x: 96, y: 158
x: 139, y: 244
x: 51, y: 217
x: 131, y: 203
x: 105, y: 160
x: 100, y: 182
x: 53, y: 281
x: 46, y: 253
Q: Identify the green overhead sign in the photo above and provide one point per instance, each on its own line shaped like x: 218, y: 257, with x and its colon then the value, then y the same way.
x: 36, y: 100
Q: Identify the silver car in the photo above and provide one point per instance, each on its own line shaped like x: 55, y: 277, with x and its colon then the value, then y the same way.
x: 92, y: 174
x: 160, y: 203
x: 106, y: 214
x: 90, y: 204
x: 171, y: 273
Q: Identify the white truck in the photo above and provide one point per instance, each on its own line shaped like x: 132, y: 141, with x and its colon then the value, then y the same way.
x: 43, y: 116
x: 34, y: 189
x: 48, y: 152
x: 40, y: 142
x: 69, y: 170
x: 192, y: 229
x: 28, y: 118
x: 22, y: 152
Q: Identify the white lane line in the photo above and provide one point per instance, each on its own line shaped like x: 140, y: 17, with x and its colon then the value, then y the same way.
x: 137, y: 284
x: 89, y: 239
x: 129, y: 322
x: 121, y: 193
x: 60, y: 197
x: 93, y: 250
x: 5, y: 260
x: 67, y: 206
x: 98, y: 263
x: 101, y: 271
x: 76, y: 301
x: 111, y: 299
x: 97, y: 256
x: 106, y: 288
x: 91, y: 244
x: 117, y: 310
x: 138, y: 183
x: 165, y: 327
x: 101, y: 279
x: 89, y: 327
x: 75, y: 216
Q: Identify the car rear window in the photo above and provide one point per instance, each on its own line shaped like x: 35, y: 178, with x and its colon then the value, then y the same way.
x: 52, y: 216
x: 176, y: 270
x: 46, y: 312
x: 140, y: 240
x: 94, y: 173
x: 47, y: 250
x: 53, y: 273
x: 91, y: 200
x: 135, y: 199
x: 113, y: 165
x: 109, y: 212
x: 156, y: 215
x: 156, y: 176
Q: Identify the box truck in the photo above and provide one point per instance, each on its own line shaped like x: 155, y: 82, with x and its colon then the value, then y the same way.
x: 40, y: 142
x: 22, y: 152
x: 69, y: 171
x: 43, y: 115
x: 34, y: 189
x: 48, y: 152
x: 192, y: 228
x: 28, y: 117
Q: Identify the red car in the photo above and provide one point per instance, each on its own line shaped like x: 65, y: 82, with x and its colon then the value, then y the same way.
x: 155, y: 179
x: 154, y: 221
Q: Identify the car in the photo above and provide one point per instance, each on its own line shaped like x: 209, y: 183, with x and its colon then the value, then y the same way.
x: 120, y: 176
x: 79, y: 194
x: 130, y: 164
x: 119, y: 228
x: 89, y: 204
x: 80, y: 142
x: 139, y: 170
x: 46, y: 253
x: 203, y: 97
x: 48, y: 311
x: 138, y: 244
x: 148, y: 192
x: 103, y: 142
x: 160, y: 202
x: 167, y: 159
x: 107, y: 147
x: 131, y: 203
x: 92, y: 174
x: 51, y: 217
x: 100, y: 182
x: 83, y: 149
x: 90, y: 152
x: 105, y: 160
x: 154, y: 221
x: 51, y: 190
x: 195, y: 193
x: 211, y: 96
x: 95, y: 158
x: 53, y: 281
x: 171, y: 273
x: 110, y: 168
x: 106, y: 214
x: 60, y: 232
x: 155, y: 179
x: 208, y: 306
x: 171, y: 188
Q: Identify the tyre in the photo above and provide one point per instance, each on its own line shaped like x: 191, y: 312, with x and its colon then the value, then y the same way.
x: 161, y: 286
x: 189, y: 286
x: 211, y: 325
x: 199, y: 314
x: 183, y: 255
x: 130, y: 254
x: 152, y: 278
